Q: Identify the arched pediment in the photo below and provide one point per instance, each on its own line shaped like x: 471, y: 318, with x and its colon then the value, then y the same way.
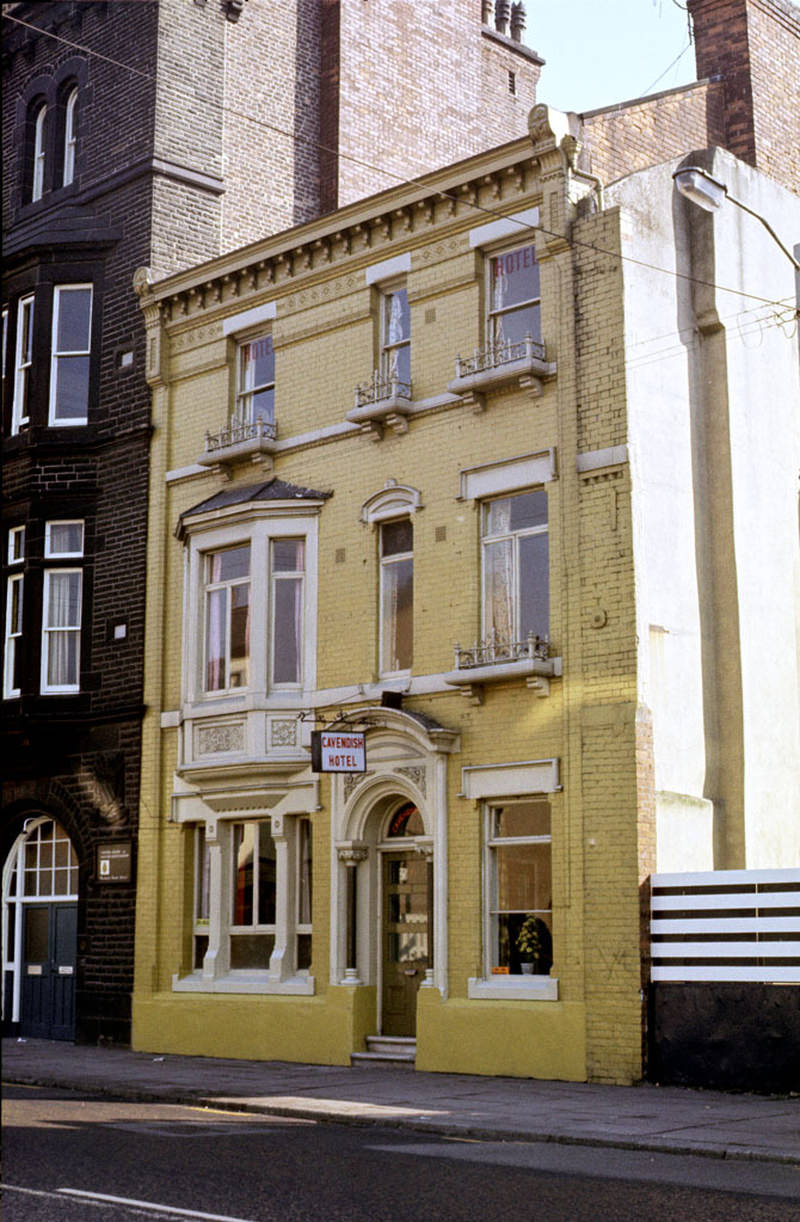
x: 393, y: 501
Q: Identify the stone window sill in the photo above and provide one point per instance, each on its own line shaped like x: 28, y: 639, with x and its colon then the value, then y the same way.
x: 513, y: 988
x: 529, y: 374
x: 244, y: 982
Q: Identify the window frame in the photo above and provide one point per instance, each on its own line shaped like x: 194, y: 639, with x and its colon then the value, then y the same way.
x: 276, y: 577
x: 70, y: 137
x: 386, y: 563
x: 514, y: 536
x: 228, y: 585
x: 211, y: 850
x: 256, y: 524
x: 23, y: 362
x: 39, y: 164
x: 47, y: 632
x: 492, y: 314
x: 389, y: 349
x: 14, y: 625
x: 245, y: 395
x: 492, y: 842
x: 57, y: 355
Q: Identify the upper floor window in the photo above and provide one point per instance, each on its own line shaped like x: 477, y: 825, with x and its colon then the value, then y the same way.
x: 70, y: 135
x: 62, y: 600
x: 255, y: 398
x: 396, y: 595
x: 22, y: 363
x: 227, y: 614
x: 287, y: 569
x: 396, y: 335
x: 516, y: 601
x: 71, y: 345
x: 39, y: 153
x: 514, y: 297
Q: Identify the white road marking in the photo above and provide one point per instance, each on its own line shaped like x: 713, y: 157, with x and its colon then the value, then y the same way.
x: 149, y: 1205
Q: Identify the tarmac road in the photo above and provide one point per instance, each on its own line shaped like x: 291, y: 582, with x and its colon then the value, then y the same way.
x: 67, y: 1153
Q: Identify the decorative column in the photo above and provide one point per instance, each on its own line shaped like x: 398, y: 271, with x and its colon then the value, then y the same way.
x: 426, y: 850
x: 350, y: 856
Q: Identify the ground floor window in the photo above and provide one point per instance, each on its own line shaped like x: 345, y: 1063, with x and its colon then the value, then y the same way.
x: 519, y: 889
x: 252, y: 909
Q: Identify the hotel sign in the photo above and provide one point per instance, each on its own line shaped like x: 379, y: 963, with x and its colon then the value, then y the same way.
x: 338, y: 751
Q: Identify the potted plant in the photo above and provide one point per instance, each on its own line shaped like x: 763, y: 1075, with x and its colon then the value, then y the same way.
x: 529, y: 944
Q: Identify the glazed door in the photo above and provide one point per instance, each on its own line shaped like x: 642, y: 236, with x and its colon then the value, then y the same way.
x: 405, y: 939
x: 48, y: 971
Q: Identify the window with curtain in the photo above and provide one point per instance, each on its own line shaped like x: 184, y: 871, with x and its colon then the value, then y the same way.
x: 396, y: 595
x: 12, y: 652
x: 255, y: 399
x: 227, y: 619
x: 396, y: 335
x: 514, y: 297
x: 61, y: 630
x: 516, y: 600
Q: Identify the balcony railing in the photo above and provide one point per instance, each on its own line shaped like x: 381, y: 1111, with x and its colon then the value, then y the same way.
x: 380, y: 388
x: 495, y: 651
x: 238, y: 433
x: 483, y: 361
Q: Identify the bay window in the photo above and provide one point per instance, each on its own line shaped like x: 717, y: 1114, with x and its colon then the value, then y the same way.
x: 251, y: 908
x: 23, y: 363
x: 287, y: 570
x: 396, y: 596
x: 227, y: 619
x: 515, y: 568
x: 71, y: 344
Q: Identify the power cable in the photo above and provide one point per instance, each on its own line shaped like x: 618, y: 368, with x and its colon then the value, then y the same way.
x: 399, y: 179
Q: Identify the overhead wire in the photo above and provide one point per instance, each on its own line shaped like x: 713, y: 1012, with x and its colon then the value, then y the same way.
x: 398, y: 179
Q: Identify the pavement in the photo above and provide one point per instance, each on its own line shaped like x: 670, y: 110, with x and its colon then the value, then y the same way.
x: 667, y: 1119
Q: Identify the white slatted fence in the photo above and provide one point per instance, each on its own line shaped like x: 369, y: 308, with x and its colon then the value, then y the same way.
x: 726, y: 925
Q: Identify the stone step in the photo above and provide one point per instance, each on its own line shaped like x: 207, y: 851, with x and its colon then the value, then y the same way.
x: 387, y: 1051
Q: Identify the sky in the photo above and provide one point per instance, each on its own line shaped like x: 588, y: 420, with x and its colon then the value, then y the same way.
x: 603, y: 51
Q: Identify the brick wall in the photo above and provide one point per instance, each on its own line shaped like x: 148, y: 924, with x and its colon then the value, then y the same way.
x: 754, y: 45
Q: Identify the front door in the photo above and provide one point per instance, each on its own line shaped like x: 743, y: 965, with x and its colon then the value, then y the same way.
x: 405, y: 939
x: 48, y: 971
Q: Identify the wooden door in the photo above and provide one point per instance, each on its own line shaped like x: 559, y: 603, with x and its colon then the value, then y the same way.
x: 405, y: 939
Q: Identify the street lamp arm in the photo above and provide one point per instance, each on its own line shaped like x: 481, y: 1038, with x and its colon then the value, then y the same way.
x: 697, y: 185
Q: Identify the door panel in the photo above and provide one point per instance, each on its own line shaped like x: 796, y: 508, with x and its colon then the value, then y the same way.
x: 405, y: 939
x: 48, y: 971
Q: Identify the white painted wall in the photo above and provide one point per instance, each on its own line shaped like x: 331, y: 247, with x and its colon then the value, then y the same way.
x: 764, y: 411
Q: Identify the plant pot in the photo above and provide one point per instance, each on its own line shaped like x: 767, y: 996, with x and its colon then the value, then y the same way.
x: 527, y: 969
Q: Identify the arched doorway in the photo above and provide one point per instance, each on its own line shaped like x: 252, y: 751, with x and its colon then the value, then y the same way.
x: 40, y: 923
x: 407, y: 920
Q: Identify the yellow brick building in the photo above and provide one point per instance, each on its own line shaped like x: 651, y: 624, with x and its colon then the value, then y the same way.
x: 391, y: 496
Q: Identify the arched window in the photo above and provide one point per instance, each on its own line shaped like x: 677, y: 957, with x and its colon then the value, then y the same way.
x: 37, y: 183
x: 70, y: 135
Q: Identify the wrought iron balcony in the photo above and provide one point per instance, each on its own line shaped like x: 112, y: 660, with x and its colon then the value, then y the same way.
x: 500, y: 365
x: 381, y: 387
x: 496, y: 355
x: 254, y: 439
x: 384, y: 399
x: 495, y: 650
x: 497, y: 659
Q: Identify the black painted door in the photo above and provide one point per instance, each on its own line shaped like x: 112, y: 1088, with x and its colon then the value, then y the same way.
x: 48, y: 971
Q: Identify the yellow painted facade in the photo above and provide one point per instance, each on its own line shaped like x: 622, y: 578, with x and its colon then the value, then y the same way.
x: 467, y: 740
